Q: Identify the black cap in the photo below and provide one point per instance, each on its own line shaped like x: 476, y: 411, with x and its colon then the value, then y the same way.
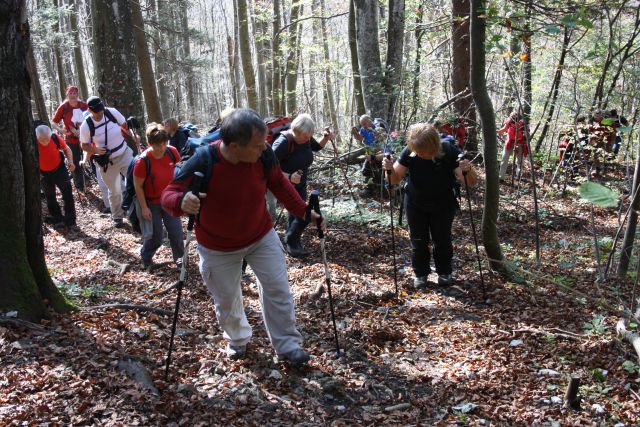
x: 95, y: 104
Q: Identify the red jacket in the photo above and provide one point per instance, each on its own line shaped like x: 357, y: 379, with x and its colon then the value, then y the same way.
x: 65, y: 113
x: 234, y: 214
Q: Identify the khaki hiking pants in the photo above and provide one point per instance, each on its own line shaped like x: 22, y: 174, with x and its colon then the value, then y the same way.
x: 221, y: 272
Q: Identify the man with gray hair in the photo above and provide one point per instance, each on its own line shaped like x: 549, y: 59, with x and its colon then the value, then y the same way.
x: 54, y: 174
x: 294, y: 149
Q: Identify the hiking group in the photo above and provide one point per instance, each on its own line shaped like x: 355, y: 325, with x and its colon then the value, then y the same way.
x: 240, y: 178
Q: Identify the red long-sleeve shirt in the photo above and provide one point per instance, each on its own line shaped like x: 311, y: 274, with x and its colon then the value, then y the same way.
x: 234, y: 214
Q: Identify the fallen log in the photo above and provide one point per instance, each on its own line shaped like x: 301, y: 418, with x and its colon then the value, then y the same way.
x: 631, y: 337
x: 142, y: 308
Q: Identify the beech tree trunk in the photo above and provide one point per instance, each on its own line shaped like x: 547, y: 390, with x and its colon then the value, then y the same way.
x: 355, y: 67
x: 293, y: 59
x: 62, y: 79
x: 461, y: 69
x: 77, y: 51
x: 487, y: 117
x: 116, y: 77
x: 371, y: 74
x: 277, y: 105
x: 185, y: 55
x: 36, y: 88
x: 245, y: 53
x: 395, y: 50
x: 327, y: 77
x: 154, y: 113
x: 24, y: 279
x: 632, y: 223
x: 162, y: 74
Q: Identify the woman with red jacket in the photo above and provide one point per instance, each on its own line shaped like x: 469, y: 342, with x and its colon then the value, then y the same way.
x: 66, y: 121
x: 516, y: 140
x: 152, y: 172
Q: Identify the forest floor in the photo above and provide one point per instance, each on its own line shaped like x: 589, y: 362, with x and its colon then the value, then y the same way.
x: 440, y: 356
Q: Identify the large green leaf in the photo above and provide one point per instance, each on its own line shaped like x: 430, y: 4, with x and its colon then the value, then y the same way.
x: 599, y: 195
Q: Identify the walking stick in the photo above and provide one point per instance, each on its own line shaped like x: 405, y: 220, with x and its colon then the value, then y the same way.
x: 195, y: 188
x: 314, y: 203
x: 473, y: 228
x: 393, y: 233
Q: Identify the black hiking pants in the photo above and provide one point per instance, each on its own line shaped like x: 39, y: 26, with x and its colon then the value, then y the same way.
x: 78, y: 173
x: 426, y: 225
x: 59, y: 178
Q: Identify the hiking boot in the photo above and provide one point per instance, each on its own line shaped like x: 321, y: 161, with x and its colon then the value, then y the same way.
x: 236, y: 352
x: 52, y: 220
x: 420, y: 282
x: 106, y: 211
x: 445, y: 279
x: 60, y: 225
x: 118, y: 223
x: 294, y: 248
x: 148, y: 266
x: 297, y: 357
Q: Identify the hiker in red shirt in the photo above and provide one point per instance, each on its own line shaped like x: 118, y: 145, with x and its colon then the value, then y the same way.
x: 152, y: 172
x: 67, y: 120
x: 234, y: 223
x: 455, y: 127
x: 55, y: 174
x: 516, y: 140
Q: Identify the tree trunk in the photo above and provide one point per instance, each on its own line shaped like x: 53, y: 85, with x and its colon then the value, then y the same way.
x: 630, y: 231
x: 185, y: 57
x: 245, y: 52
x: 355, y: 67
x: 263, y: 48
x: 154, y: 113
x: 77, y: 51
x: 487, y: 116
x: 555, y: 90
x: 276, y: 57
x: 162, y: 74
x: 236, y: 55
x: 419, y: 33
x: 36, y: 88
x: 117, y: 79
x: 461, y: 68
x: 232, y: 72
x: 24, y: 279
x: 328, y: 90
x: 394, y: 69
x: 293, y: 59
x: 375, y: 100
x: 62, y: 79
x: 526, y: 66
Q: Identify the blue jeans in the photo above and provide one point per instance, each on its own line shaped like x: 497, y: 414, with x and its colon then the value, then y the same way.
x: 174, y: 230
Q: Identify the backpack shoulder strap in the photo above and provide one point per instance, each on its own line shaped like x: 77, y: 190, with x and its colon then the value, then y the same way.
x: 170, y: 153
x: 92, y: 127
x: 291, y: 143
x: 268, y: 159
x: 56, y: 140
x: 147, y: 164
x: 110, y: 116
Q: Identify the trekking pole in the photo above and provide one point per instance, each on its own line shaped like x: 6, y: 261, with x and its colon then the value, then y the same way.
x: 314, y: 203
x: 393, y: 233
x: 473, y: 228
x: 195, y: 188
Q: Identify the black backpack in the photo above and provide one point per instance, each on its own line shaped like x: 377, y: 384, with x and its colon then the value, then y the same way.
x: 92, y: 127
x: 207, y: 156
x: 130, y: 189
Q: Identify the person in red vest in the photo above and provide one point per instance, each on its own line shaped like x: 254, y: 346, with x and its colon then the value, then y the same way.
x: 54, y: 174
x: 516, y: 140
x: 160, y: 159
x: 455, y: 127
x: 66, y: 121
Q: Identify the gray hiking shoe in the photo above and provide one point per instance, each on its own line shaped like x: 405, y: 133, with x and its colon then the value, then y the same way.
x: 445, y: 279
x: 297, y: 357
x: 420, y: 282
x: 236, y: 352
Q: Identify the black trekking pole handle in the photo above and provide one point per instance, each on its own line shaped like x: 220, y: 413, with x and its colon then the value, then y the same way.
x: 473, y: 228
x: 393, y: 234
x: 314, y: 203
x: 196, y: 182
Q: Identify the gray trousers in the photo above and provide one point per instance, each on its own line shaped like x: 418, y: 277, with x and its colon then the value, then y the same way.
x: 153, y: 241
x: 506, y: 159
x: 113, y: 180
x: 221, y: 272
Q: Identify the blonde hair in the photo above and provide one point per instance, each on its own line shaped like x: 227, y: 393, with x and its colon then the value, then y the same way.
x: 156, y: 133
x: 424, y: 139
x: 173, y: 123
